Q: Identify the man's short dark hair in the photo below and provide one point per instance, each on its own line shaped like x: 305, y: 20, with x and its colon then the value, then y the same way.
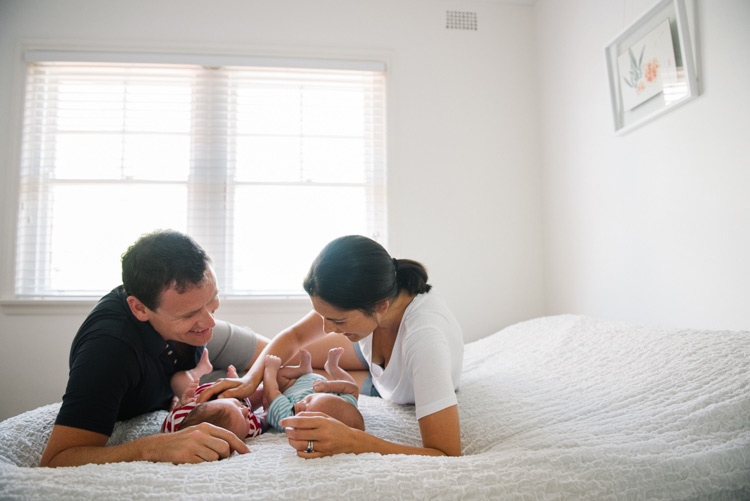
x: 161, y: 260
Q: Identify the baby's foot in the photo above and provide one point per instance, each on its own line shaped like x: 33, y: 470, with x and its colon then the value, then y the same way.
x: 334, y: 355
x: 232, y: 372
x: 272, y: 362
x: 305, y: 360
x: 204, y: 366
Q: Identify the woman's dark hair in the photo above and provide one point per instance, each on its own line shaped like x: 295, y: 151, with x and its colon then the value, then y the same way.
x: 160, y: 260
x: 356, y: 273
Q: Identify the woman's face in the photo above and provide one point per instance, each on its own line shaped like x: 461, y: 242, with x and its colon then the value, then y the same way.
x: 354, y: 324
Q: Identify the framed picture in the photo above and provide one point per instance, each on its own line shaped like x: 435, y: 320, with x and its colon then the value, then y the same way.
x: 651, y: 67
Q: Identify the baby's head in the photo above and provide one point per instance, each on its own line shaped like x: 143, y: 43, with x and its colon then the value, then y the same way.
x: 228, y: 413
x: 334, y: 406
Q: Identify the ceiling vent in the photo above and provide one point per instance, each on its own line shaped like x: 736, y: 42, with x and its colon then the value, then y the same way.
x: 460, y: 20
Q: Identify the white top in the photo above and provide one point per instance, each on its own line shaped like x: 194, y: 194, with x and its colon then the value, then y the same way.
x: 425, y: 365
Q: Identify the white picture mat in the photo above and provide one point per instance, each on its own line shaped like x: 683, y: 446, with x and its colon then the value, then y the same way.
x: 679, y: 88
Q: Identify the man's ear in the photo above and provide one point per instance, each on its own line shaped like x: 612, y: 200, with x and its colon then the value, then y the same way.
x: 139, y: 309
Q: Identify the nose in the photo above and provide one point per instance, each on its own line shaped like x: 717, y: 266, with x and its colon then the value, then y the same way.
x: 207, y: 319
x: 329, y: 326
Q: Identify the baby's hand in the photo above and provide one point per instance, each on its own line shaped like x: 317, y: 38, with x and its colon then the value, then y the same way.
x: 175, y: 403
x: 188, y: 396
x: 320, y: 386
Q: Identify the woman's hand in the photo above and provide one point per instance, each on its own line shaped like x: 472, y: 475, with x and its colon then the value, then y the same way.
x: 327, y: 435
x: 226, y: 388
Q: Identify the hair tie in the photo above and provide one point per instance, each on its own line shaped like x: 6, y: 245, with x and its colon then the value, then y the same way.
x: 395, y: 263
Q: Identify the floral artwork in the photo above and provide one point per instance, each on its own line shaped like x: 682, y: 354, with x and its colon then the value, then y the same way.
x: 646, y: 66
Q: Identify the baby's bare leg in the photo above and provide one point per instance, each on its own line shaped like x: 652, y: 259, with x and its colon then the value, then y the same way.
x: 184, y: 383
x: 204, y: 366
x: 270, y: 385
x: 332, y: 365
x: 288, y: 374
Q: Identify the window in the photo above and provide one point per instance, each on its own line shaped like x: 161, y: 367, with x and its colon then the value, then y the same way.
x: 262, y: 165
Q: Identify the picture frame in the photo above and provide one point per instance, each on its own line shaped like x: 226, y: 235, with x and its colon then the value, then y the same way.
x: 651, y: 66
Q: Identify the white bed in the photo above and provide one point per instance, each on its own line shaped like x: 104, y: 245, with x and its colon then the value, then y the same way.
x: 562, y: 407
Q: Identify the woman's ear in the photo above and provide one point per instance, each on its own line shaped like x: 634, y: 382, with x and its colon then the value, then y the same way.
x: 382, y: 306
x: 139, y: 309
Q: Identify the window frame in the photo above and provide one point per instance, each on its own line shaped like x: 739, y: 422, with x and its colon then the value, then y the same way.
x: 14, y: 304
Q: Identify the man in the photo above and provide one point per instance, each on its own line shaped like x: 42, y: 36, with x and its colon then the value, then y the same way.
x: 130, y: 345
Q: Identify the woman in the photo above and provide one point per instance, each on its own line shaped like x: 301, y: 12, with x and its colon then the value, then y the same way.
x: 406, y: 337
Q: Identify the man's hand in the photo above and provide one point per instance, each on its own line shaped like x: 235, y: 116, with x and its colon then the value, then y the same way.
x: 204, y: 442
x: 195, y: 444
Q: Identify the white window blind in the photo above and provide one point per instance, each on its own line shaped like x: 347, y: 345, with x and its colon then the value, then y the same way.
x: 261, y: 165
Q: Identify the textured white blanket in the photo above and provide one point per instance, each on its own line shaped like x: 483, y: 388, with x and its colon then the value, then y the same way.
x: 562, y: 407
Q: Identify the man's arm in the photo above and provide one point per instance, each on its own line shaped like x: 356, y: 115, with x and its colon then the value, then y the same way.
x: 234, y: 345
x: 69, y: 446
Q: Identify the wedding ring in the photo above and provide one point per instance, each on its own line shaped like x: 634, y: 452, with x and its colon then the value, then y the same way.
x: 309, y: 446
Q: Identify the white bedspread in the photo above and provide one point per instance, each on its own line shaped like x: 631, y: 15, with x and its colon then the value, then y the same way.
x: 562, y: 407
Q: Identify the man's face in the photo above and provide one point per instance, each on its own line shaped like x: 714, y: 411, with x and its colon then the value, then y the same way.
x: 188, y: 317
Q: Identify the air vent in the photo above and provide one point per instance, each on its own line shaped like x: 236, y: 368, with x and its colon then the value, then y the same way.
x: 460, y: 20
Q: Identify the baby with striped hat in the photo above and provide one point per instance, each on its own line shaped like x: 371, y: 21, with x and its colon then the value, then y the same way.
x: 232, y: 414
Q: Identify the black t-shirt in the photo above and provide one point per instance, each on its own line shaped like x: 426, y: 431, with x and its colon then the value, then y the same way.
x: 120, y: 367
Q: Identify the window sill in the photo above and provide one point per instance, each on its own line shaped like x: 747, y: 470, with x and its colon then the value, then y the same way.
x: 81, y: 306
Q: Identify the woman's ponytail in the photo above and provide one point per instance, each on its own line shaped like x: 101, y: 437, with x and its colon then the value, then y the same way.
x: 357, y: 273
x: 411, y: 276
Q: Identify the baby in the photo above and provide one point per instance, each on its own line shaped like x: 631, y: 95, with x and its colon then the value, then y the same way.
x: 290, y: 390
x: 229, y: 413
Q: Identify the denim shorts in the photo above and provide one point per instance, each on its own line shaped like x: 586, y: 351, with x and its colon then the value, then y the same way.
x: 367, y: 387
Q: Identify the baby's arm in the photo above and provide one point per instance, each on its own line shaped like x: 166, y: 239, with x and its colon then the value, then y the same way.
x: 336, y: 386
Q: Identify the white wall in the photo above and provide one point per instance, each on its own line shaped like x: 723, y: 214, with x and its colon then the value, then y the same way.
x: 464, y: 188
x: 653, y: 226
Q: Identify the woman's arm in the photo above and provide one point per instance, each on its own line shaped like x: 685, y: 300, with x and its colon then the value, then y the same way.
x: 441, y: 431
x: 441, y: 436
x: 285, y: 345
